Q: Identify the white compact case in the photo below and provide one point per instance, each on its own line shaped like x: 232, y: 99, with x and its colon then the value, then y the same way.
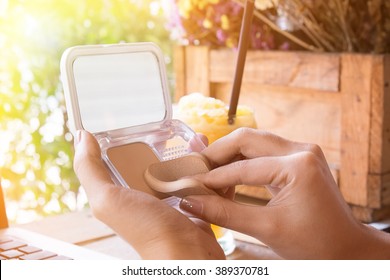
x: 120, y: 94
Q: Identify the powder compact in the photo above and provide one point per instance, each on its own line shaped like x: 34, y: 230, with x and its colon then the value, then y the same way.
x: 120, y: 94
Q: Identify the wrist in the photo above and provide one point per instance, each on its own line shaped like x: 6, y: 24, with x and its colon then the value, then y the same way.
x: 359, y: 241
x: 366, y: 243
x: 376, y: 244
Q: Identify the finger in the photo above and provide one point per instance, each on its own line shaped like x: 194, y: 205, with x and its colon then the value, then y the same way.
x: 175, y: 203
x: 198, y: 142
x: 204, y: 139
x: 256, y: 172
x: 88, y: 165
x: 225, y: 213
x: 251, y: 143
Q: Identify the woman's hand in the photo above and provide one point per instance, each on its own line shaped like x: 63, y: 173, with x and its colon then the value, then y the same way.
x: 153, y: 228
x: 307, y: 218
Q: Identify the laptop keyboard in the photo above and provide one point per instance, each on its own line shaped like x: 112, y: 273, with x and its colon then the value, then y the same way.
x: 11, y: 249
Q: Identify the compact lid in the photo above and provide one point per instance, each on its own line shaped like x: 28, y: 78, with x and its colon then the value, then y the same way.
x: 114, y: 87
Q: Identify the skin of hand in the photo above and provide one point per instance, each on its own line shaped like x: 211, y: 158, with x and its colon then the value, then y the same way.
x: 307, y: 218
x: 151, y: 226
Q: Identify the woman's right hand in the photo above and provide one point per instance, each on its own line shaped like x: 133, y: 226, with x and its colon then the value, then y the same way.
x: 307, y: 218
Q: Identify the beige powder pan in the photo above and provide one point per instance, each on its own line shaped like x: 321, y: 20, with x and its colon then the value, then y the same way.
x: 142, y: 170
x: 131, y: 160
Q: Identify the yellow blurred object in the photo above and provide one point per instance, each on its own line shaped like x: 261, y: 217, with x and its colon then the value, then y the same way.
x: 209, y: 116
x: 207, y: 23
x: 225, y: 22
x: 265, y: 4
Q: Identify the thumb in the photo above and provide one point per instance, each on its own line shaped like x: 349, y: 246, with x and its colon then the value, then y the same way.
x: 88, y: 164
x: 89, y: 167
x: 217, y: 210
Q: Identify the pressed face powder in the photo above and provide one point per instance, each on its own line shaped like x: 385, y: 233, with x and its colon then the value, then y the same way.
x: 131, y: 161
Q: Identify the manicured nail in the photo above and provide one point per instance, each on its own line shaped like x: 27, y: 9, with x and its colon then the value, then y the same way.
x: 191, y: 205
x: 77, y: 138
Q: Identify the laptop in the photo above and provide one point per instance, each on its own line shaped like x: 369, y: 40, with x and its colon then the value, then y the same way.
x: 21, y: 244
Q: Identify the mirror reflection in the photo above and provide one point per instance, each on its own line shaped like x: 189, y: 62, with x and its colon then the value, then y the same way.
x: 118, y: 90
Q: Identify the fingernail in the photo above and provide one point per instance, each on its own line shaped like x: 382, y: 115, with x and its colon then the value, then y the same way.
x: 77, y: 138
x: 191, y: 205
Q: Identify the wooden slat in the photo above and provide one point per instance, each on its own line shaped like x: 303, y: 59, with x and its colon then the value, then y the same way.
x: 377, y: 111
x: 380, y: 116
x: 385, y: 191
x: 179, y: 66
x: 74, y: 227
x: 355, y: 123
x: 374, y: 191
x: 292, y: 69
x: 386, y: 116
x: 197, y: 70
x: 378, y: 188
x: 296, y: 114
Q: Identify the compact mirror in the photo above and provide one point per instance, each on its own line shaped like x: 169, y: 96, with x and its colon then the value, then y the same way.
x: 115, y: 90
x: 120, y: 94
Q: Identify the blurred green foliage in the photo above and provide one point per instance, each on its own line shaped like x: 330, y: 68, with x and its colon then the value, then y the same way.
x: 35, y: 145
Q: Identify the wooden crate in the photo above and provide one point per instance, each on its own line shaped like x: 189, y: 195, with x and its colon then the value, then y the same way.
x: 339, y: 101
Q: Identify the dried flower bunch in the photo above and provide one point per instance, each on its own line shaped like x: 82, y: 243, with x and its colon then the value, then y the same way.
x: 217, y: 23
x: 341, y: 25
x: 332, y: 26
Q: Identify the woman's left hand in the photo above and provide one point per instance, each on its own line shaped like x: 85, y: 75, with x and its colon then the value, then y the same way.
x: 152, y: 227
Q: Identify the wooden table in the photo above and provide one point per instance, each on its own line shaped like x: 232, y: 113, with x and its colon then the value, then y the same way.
x: 82, y: 229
